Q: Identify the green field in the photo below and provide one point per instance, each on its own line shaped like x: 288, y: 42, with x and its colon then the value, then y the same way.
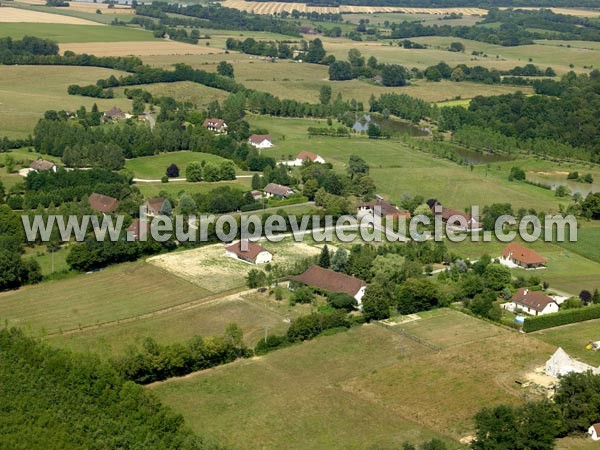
x: 24, y: 99
x: 176, y: 187
x: 154, y: 167
x: 573, y: 338
x: 369, y: 387
x: 116, y: 293
x: 63, y: 33
x: 183, y: 91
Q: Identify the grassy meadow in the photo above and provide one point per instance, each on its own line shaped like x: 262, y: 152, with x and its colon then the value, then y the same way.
x: 573, y: 339
x: 64, y: 33
x: 370, y: 386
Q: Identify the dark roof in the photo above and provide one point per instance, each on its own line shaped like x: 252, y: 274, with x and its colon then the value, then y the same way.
x: 523, y: 254
x: 41, y: 165
x: 447, y: 213
x: 115, y: 113
x: 258, y: 138
x: 277, y: 189
x: 251, y: 253
x: 532, y: 299
x: 330, y: 281
x: 103, y: 203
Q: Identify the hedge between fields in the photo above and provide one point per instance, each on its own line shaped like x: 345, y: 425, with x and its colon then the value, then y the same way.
x: 561, y: 318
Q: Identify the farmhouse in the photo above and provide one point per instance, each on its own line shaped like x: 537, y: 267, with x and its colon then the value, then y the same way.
x: 456, y: 220
x: 115, y: 113
x: 256, y: 195
x: 594, y: 432
x: 517, y: 255
x: 253, y: 254
x: 216, y: 125
x: 305, y: 156
x: 103, y: 203
x: 381, y: 208
x: 260, y: 141
x: 535, y: 303
x: 41, y: 165
x: 136, y: 228
x: 158, y: 206
x: 330, y: 281
x: 560, y: 363
x: 277, y: 191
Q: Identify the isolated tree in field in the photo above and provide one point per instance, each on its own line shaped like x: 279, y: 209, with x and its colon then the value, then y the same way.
x: 226, y: 69
x: 357, y: 166
x: 325, y: 94
x: 324, y: 258
x: 172, y: 171
x: 227, y: 170
x: 193, y: 172
x: 456, y: 47
x: 256, y: 181
x: 256, y: 278
x: 393, y: 75
x: 340, y: 70
x: 516, y: 173
x: 339, y: 260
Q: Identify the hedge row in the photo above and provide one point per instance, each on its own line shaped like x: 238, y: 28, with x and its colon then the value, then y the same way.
x: 561, y: 318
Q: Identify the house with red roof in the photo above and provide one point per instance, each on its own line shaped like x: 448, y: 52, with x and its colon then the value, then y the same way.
x: 158, y: 206
x: 249, y: 252
x: 517, y: 255
x: 594, y: 432
x: 534, y: 303
x: 456, y: 220
x: 305, y: 156
x: 277, y: 191
x: 103, y: 203
x: 381, y: 208
x: 330, y: 281
x: 260, y: 141
x: 216, y: 125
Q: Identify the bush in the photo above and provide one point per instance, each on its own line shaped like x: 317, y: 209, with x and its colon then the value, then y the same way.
x: 561, y: 318
x: 164, y: 179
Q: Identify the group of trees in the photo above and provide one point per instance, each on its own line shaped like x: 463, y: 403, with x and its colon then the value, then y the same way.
x: 563, y: 126
x: 79, y: 401
x: 202, y: 171
x: 573, y: 408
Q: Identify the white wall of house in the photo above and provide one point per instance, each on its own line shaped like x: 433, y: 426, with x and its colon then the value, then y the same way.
x: 264, y: 257
x: 264, y: 144
x: 359, y: 295
x: 593, y: 434
x: 549, y: 309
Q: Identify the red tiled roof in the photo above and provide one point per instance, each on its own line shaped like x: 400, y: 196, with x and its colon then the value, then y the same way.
x: 532, y: 299
x: 330, y: 281
x: 115, y: 113
x: 277, y: 189
x: 214, y: 123
x: 523, y: 254
x: 307, y: 155
x: 596, y: 427
x: 155, y: 205
x: 387, y: 209
x: 103, y: 203
x: 259, y: 138
x: 251, y: 253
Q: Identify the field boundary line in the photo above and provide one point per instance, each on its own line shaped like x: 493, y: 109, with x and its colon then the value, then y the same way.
x: 398, y: 329
x: 209, y: 300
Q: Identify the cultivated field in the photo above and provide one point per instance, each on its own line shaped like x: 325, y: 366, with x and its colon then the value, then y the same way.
x: 113, y: 294
x: 162, y: 47
x: 209, y: 268
x: 24, y: 100
x: 87, y: 7
x: 15, y: 15
x: 370, y: 386
x: 63, y: 33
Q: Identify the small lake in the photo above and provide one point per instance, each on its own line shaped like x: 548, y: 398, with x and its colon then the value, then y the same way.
x: 475, y: 158
x: 391, y: 126
x: 555, y: 180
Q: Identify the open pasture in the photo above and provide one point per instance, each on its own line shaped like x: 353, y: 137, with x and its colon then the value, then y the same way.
x: 573, y: 338
x: 175, y: 188
x: 65, y: 33
x: 183, y: 91
x: 24, y: 100
x: 209, y: 268
x: 368, y: 386
x: 113, y: 294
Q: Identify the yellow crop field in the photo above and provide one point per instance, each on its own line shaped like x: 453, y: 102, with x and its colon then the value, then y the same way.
x: 14, y: 15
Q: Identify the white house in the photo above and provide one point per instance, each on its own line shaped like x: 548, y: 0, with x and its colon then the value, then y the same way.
x: 594, y: 432
x: 560, y: 363
x: 216, y: 125
x: 305, y: 156
x: 249, y: 252
x: 260, y: 141
x: 534, y: 303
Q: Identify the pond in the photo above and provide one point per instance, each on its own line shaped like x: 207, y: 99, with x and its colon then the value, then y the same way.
x: 391, y: 126
x: 475, y: 158
x: 560, y: 179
